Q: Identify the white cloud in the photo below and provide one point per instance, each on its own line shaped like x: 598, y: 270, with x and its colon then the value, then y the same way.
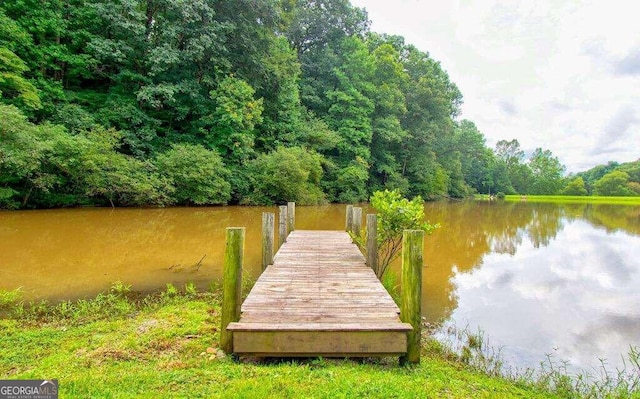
x: 553, y: 74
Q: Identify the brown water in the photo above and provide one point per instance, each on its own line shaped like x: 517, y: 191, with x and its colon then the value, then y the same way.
x: 537, y: 278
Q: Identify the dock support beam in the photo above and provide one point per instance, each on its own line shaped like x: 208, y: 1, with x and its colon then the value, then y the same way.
x: 349, y: 219
x: 231, y: 284
x: 372, y: 242
x: 282, y: 225
x: 291, y: 216
x: 357, y: 221
x: 268, y: 227
x: 410, y: 307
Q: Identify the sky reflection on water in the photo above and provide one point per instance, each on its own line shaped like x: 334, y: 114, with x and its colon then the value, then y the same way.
x: 575, y: 296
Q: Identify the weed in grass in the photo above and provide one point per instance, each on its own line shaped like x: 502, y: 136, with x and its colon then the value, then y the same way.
x: 472, y: 349
x: 171, y: 291
x: 390, y: 283
x: 247, y: 284
x: 553, y: 374
x: 623, y: 382
x: 190, y: 289
x: 9, y: 298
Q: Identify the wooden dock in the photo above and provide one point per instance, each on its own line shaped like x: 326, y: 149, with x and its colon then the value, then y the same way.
x: 319, y: 298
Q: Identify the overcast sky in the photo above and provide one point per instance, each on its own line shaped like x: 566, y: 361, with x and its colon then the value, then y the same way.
x: 561, y: 75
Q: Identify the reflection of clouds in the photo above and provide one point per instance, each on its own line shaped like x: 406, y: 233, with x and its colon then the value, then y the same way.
x: 578, y: 294
x: 612, y: 328
x: 598, y: 259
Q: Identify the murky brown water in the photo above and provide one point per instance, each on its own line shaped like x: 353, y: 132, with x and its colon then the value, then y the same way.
x: 537, y: 278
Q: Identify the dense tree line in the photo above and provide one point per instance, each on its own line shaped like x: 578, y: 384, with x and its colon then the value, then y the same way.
x: 612, y: 179
x: 134, y: 102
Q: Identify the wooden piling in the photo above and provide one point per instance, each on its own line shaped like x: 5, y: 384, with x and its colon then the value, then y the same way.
x: 410, y: 307
x: 349, y: 219
x: 291, y: 216
x: 357, y: 221
x: 231, y: 284
x: 268, y: 227
x: 282, y: 225
x: 372, y: 241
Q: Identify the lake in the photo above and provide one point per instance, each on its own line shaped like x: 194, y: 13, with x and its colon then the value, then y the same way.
x: 536, y: 278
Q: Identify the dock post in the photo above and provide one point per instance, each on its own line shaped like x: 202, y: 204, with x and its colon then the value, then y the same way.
x: 268, y: 227
x: 349, y: 219
x: 372, y: 241
x: 231, y: 284
x: 357, y: 221
x: 410, y: 307
x: 282, y: 225
x: 291, y: 216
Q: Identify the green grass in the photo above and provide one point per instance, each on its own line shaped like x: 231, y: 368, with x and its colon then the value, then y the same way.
x: 164, y: 345
x: 576, y: 199
x: 119, y: 345
x: 569, y: 199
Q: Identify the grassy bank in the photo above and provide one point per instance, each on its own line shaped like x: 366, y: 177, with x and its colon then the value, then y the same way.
x: 164, y: 345
x: 119, y: 345
x: 569, y: 199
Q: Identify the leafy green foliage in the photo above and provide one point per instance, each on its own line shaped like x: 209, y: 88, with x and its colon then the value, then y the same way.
x: 233, y: 120
x: 396, y: 214
x: 547, y: 172
x: 101, y: 172
x: 198, y: 175
x: 286, y: 174
x: 632, y: 169
x: 46, y: 165
x: 12, y: 83
x: 613, y: 184
x: 575, y: 187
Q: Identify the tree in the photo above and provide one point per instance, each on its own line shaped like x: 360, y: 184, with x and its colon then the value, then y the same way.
x: 13, y: 83
x: 286, y: 174
x: 546, y: 171
x: 471, y: 145
x: 92, y: 162
x: 349, y: 113
x: 233, y: 120
x: 575, y: 187
x: 432, y: 103
x: 312, y: 25
x: 198, y: 175
x: 509, y: 152
x: 396, y: 214
x: 519, y: 174
x: 388, y: 134
x: 22, y: 151
x: 613, y: 184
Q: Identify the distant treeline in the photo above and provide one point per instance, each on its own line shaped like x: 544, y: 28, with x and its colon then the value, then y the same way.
x: 156, y: 102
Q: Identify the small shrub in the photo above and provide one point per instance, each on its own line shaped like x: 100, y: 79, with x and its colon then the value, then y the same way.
x: 396, y: 214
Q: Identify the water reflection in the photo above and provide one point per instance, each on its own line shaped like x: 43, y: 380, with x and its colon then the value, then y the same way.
x: 541, y: 278
x: 533, y: 276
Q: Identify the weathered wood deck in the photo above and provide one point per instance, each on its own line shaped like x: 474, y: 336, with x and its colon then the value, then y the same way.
x: 319, y: 298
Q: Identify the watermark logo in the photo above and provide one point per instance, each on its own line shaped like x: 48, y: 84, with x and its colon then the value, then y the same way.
x: 28, y: 389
